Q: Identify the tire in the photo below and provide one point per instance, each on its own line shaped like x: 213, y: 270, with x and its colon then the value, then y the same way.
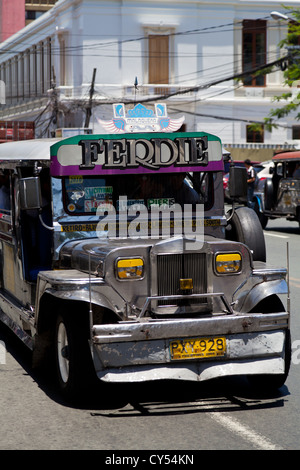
x: 74, y: 367
x: 245, y: 227
x: 261, y: 217
x: 268, y: 193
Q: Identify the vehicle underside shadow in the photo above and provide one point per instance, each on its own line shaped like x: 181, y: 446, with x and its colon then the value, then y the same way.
x: 149, y: 398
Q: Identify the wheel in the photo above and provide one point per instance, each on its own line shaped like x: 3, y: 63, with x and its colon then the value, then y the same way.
x: 261, y: 217
x: 74, y: 365
x: 245, y: 227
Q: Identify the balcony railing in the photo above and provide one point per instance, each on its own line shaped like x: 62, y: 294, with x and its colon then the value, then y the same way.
x: 39, y: 3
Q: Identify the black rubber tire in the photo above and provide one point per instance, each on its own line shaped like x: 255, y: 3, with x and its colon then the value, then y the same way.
x: 74, y: 367
x: 268, y: 193
x: 245, y: 227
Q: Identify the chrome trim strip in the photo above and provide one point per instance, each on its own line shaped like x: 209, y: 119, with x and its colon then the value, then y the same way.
x: 185, y: 297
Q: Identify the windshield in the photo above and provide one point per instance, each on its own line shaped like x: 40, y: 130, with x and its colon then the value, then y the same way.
x: 83, y: 195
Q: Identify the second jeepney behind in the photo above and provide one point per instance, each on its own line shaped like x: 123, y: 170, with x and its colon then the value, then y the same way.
x: 116, y: 253
x: 278, y: 196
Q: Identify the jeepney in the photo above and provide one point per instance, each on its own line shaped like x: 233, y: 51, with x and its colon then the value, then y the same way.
x: 117, y: 257
x: 279, y: 195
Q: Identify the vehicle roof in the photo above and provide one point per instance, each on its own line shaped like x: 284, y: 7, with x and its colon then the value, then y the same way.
x: 35, y: 149
x: 287, y: 156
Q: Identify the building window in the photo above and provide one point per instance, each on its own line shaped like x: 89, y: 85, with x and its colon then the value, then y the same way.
x: 296, y: 133
x: 159, y: 59
x: 255, y: 133
x: 254, y: 50
x: 158, y: 62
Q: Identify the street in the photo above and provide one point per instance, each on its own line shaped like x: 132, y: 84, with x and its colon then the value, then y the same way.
x: 175, y: 416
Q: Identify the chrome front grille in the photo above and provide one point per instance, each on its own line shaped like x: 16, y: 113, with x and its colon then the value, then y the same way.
x: 172, y: 268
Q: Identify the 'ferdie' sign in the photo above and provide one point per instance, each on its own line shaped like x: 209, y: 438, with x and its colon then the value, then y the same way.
x: 153, y: 153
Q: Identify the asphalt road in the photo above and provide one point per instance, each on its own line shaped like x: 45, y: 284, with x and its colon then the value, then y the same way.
x: 161, y: 417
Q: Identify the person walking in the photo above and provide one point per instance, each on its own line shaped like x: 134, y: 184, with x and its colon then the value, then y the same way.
x: 250, y: 181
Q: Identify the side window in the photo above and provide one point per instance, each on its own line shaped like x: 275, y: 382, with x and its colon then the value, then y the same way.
x: 5, y: 204
x: 279, y: 170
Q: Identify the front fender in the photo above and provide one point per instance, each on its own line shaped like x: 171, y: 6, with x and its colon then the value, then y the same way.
x: 260, y: 292
x: 81, y: 296
x: 74, y: 286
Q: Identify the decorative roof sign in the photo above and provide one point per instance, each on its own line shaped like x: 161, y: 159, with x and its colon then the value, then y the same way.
x: 141, y: 119
x: 150, y: 152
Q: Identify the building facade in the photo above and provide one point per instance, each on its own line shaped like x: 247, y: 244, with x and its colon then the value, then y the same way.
x: 67, y: 67
x: 11, y: 23
x: 15, y: 14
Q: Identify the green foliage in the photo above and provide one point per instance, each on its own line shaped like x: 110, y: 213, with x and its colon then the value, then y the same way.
x: 291, y: 73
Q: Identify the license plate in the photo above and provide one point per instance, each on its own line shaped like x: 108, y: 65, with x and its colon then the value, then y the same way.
x: 197, y: 348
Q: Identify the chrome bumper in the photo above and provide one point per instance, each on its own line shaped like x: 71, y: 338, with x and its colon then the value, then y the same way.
x: 139, y: 351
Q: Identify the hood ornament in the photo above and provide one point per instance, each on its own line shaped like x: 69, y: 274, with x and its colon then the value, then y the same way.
x: 141, y: 119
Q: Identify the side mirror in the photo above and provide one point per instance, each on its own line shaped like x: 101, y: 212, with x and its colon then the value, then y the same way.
x: 30, y: 193
x: 237, y: 182
x: 271, y: 170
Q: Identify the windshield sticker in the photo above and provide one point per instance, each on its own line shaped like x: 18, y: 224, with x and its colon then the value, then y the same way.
x: 160, y: 203
x: 97, y: 192
x: 78, y: 179
x: 91, y: 205
x: 123, y: 204
x: 83, y: 195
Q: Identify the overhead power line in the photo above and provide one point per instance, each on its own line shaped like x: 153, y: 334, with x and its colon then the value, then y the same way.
x: 117, y: 42
x: 227, y: 118
x: 186, y: 90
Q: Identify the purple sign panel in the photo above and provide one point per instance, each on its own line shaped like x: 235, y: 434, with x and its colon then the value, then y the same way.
x: 132, y: 154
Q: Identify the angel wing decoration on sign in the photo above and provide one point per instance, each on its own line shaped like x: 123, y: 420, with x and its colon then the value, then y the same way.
x: 141, y: 119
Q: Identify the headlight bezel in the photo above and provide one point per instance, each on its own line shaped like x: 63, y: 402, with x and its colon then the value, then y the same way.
x: 230, y: 263
x: 130, y: 263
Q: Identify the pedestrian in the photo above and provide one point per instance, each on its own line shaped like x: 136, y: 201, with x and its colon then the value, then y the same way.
x: 4, y: 191
x: 250, y: 182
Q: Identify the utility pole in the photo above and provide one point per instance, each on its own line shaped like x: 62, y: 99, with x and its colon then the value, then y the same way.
x: 89, y: 108
x: 54, y: 98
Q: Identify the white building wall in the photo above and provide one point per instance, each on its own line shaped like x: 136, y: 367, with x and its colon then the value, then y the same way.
x: 111, y: 36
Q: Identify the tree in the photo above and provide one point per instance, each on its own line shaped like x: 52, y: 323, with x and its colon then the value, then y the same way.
x: 291, y: 73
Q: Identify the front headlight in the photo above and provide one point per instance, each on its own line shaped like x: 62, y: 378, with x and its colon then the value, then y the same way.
x: 228, y: 263
x: 130, y: 268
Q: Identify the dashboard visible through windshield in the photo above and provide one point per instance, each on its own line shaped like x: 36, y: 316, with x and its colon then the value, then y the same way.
x: 84, y: 195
